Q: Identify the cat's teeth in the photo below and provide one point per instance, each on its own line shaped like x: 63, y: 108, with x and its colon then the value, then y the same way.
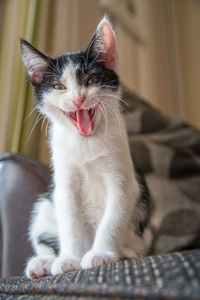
x: 72, y: 114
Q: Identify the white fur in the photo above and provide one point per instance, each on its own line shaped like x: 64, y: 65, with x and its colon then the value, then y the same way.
x: 95, y: 185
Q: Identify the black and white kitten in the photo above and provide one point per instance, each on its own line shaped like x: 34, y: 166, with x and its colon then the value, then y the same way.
x: 100, y: 205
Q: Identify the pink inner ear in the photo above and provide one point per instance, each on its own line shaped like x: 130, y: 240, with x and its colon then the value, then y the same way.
x: 37, y: 76
x: 36, y: 73
x: 110, y: 50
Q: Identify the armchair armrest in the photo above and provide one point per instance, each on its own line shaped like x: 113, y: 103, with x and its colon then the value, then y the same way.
x: 21, y: 179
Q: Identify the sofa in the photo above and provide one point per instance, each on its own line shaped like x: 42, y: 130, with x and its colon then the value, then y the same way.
x: 167, y: 151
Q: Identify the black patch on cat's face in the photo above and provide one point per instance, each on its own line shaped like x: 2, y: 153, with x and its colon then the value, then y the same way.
x: 92, y: 67
x: 88, y: 66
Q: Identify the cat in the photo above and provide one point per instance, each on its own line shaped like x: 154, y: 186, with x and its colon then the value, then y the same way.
x: 99, y: 206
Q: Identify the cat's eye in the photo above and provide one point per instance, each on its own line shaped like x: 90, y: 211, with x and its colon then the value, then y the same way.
x: 92, y: 80
x: 59, y: 86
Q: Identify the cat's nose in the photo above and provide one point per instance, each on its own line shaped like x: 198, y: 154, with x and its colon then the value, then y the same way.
x: 79, y: 101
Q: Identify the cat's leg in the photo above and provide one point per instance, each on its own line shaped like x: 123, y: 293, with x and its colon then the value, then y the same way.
x: 44, y: 239
x: 70, y: 225
x: 122, y: 194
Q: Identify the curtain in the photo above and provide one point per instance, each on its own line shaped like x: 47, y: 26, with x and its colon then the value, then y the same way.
x: 27, y: 19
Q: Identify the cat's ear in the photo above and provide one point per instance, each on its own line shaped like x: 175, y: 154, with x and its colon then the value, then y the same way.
x: 103, y: 44
x: 36, y: 63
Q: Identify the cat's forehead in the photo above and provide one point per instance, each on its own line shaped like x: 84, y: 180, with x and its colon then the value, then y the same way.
x: 69, y: 64
x: 69, y: 74
x: 74, y: 59
x: 77, y: 65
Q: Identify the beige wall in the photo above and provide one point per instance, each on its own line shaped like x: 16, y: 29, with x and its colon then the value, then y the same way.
x: 163, y: 65
x: 187, y: 38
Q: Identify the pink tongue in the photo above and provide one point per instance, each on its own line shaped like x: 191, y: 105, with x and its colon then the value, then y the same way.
x: 84, y: 122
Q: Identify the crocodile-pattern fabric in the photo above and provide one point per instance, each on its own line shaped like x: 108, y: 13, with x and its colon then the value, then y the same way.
x: 167, y: 151
x: 170, y: 276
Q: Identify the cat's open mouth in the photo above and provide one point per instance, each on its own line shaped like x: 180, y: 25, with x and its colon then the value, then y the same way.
x: 83, y: 119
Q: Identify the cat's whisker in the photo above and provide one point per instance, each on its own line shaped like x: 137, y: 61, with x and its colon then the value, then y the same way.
x: 43, y: 121
x: 104, y: 113
x: 128, y: 112
x: 46, y: 129
x: 47, y: 124
x: 39, y: 117
x: 123, y: 109
x: 112, y: 112
x: 58, y: 112
x: 117, y: 97
x: 30, y: 113
x: 106, y: 117
x: 115, y: 114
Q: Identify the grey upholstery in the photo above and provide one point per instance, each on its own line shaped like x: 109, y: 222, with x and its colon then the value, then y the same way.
x: 21, y: 180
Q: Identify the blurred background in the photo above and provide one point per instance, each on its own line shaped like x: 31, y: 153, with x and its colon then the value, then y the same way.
x: 159, y: 49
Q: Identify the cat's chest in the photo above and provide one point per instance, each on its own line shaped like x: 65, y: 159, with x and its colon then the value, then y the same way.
x: 83, y: 163
x: 74, y: 149
x: 92, y: 194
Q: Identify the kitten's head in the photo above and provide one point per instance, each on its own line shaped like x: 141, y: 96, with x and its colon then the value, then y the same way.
x: 72, y: 88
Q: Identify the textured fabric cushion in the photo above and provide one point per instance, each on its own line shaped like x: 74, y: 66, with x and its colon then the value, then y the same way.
x: 168, y: 153
x: 170, y: 276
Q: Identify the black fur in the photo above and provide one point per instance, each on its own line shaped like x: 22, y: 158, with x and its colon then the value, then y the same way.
x: 50, y: 241
x: 144, y: 202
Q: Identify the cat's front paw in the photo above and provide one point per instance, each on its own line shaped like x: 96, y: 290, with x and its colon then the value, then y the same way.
x: 65, y: 264
x: 39, y: 266
x: 96, y: 258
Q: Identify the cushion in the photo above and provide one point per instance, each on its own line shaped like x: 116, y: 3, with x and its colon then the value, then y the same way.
x: 167, y: 151
x: 170, y: 276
